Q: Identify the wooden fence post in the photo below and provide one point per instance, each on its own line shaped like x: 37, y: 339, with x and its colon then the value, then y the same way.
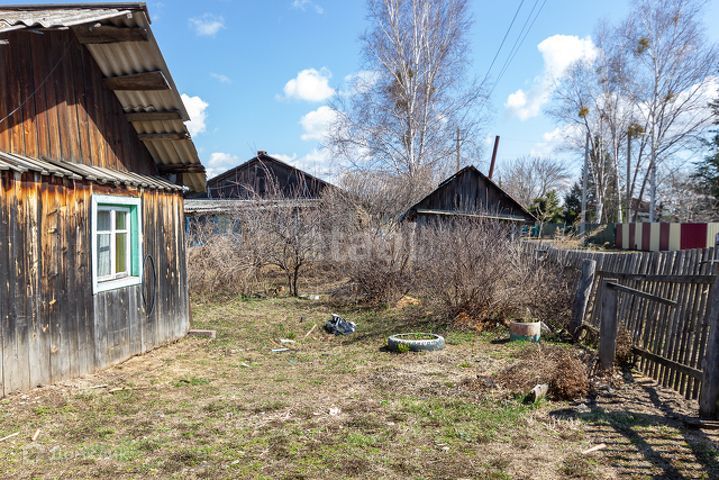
x: 581, y: 298
x: 609, y: 324
x: 709, y: 394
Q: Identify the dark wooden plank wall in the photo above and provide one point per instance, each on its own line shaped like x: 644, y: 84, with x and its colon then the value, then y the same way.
x: 66, y: 112
x: 469, y: 192
x: 51, y: 326
x: 256, y: 178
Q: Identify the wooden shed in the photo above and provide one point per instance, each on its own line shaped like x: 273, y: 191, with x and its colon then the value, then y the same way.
x: 468, y: 193
x: 94, y: 159
x: 264, y: 176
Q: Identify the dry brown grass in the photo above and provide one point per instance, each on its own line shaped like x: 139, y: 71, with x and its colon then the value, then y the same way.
x: 560, y: 367
x: 332, y: 407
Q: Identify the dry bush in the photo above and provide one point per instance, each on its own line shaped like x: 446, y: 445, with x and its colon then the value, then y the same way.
x: 220, y: 262
x: 623, y: 354
x: 380, y: 266
x: 562, y: 369
x: 549, y: 291
x: 479, y: 269
x: 470, y: 267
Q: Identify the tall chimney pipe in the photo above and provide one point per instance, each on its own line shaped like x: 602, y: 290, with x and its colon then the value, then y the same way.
x: 494, y: 156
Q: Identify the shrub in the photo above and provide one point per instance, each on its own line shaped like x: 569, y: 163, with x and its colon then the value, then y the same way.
x: 559, y: 367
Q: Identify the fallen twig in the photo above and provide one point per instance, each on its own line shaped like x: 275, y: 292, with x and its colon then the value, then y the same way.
x: 8, y: 437
x: 36, y: 435
x: 310, y: 331
x: 122, y: 389
x: 594, y: 448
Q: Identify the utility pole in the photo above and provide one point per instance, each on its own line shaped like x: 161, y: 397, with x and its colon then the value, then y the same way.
x: 629, y: 174
x: 653, y: 182
x: 582, y: 225
x: 458, y: 147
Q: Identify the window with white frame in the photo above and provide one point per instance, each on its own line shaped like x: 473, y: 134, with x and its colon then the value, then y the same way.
x: 116, y: 242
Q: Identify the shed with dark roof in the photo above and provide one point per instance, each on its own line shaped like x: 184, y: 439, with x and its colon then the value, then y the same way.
x: 469, y: 194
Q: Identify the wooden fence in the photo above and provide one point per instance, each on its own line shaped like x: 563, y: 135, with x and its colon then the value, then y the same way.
x: 661, y: 300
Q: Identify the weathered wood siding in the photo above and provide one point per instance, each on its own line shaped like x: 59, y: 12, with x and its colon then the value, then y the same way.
x: 471, y: 193
x: 51, y: 325
x: 264, y: 178
x: 65, y: 110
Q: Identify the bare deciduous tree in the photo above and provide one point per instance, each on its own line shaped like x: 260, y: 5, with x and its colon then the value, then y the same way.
x: 403, y: 121
x: 650, y: 85
x: 527, y: 178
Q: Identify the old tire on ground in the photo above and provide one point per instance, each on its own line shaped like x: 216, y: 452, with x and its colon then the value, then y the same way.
x: 412, y: 343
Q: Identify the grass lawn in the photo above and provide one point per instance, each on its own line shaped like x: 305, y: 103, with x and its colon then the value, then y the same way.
x: 331, y: 407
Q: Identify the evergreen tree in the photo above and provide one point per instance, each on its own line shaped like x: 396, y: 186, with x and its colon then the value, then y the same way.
x: 547, y: 208
x: 573, y: 205
x: 707, y: 172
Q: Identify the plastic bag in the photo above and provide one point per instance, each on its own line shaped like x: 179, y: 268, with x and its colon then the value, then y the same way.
x: 339, y: 326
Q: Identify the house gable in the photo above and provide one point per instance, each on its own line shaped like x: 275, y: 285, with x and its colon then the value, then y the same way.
x: 87, y: 83
x: 262, y: 176
x: 470, y: 192
x: 58, y: 107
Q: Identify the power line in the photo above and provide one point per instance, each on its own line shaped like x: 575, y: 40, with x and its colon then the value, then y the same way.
x: 504, y: 38
x: 520, y: 40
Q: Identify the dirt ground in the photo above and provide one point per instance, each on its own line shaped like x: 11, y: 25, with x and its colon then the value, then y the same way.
x: 338, y: 407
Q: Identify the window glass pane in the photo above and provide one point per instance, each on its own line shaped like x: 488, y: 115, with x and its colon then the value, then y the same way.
x: 103, y: 254
x: 103, y: 220
x: 120, y: 220
x: 121, y: 253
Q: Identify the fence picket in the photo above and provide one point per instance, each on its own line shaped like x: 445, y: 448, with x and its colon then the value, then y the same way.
x: 673, y: 338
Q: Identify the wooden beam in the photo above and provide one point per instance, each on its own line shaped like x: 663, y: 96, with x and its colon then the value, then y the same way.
x: 109, y: 34
x: 582, y: 296
x: 194, y: 168
x: 153, y: 116
x: 706, y: 279
x: 164, y: 136
x: 609, y: 324
x: 709, y: 393
x: 692, y: 372
x: 139, y: 81
x: 639, y: 293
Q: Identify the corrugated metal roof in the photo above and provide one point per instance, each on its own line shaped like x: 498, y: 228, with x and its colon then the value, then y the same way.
x: 208, y: 206
x: 123, y: 58
x: 78, y: 171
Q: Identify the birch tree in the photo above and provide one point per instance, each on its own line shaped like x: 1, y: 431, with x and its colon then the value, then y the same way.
x: 403, y: 121
x: 650, y: 85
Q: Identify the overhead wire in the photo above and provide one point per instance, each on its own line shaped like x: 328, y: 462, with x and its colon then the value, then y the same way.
x: 504, y: 39
x: 523, y: 33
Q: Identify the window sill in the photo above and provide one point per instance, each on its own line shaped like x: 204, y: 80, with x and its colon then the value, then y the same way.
x: 115, y: 284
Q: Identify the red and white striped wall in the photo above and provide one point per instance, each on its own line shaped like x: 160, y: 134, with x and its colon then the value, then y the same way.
x: 655, y: 237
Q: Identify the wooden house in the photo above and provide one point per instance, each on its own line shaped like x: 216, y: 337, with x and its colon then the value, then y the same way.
x: 264, y: 176
x: 94, y: 160
x: 469, y: 194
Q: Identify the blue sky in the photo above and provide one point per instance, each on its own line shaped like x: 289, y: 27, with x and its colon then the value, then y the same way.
x: 233, y: 59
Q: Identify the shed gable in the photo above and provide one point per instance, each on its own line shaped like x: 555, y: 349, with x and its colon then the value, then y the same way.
x: 470, y: 192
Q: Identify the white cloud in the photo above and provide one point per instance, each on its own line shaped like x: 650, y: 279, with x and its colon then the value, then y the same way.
x: 220, y: 162
x: 559, y: 53
x: 557, y: 139
x: 310, y: 85
x: 197, y: 109
x: 317, y: 162
x: 220, y: 77
x: 359, y: 82
x: 305, y: 4
x: 316, y: 124
x: 207, y: 24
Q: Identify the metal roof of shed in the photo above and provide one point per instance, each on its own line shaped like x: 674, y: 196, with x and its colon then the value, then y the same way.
x: 78, y: 171
x: 117, y: 59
